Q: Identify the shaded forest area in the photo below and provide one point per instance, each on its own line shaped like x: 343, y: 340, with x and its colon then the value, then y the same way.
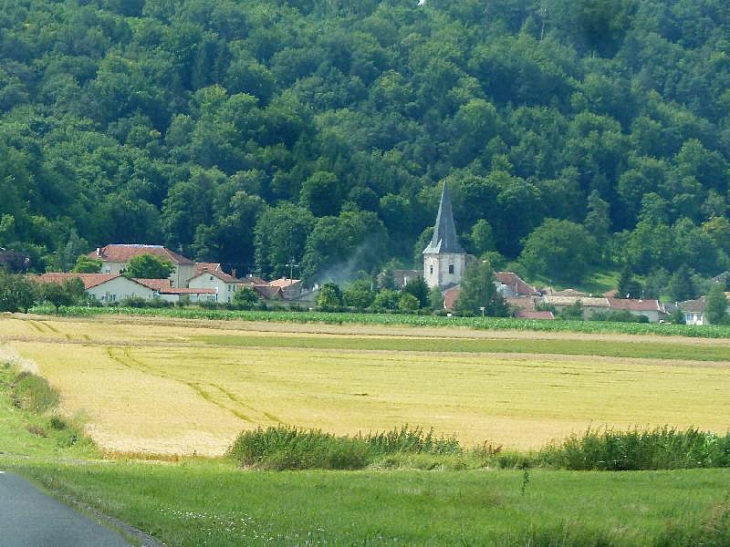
x: 253, y: 132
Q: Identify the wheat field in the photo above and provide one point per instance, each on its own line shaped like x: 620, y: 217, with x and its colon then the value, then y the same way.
x: 160, y: 387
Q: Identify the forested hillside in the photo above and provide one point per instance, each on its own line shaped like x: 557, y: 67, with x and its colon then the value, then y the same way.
x: 252, y: 132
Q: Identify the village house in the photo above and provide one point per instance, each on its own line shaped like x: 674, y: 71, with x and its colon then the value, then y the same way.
x: 291, y: 289
x: 210, y: 275
x: 115, y: 259
x: 511, y: 285
x: 693, y: 311
x: 105, y: 288
x: 166, y: 292
x: 649, y: 308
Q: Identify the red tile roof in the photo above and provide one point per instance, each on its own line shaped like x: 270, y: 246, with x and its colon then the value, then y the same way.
x: 220, y: 274
x: 284, y: 282
x: 186, y: 290
x: 89, y: 280
x: 634, y: 305
x: 155, y: 284
x: 693, y: 306
x: 125, y: 252
x: 516, y: 284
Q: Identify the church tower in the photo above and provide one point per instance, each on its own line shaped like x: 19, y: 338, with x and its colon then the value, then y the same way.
x: 444, y: 260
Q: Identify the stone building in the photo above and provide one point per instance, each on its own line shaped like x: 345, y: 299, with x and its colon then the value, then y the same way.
x: 444, y: 259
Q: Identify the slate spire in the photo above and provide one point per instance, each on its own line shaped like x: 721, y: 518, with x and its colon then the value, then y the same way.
x: 444, y: 238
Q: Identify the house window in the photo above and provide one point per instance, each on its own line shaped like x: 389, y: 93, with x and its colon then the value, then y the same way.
x: 431, y: 269
x: 451, y: 268
x: 211, y: 278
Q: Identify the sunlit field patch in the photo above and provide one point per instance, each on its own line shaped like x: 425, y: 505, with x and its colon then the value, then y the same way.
x: 156, y: 387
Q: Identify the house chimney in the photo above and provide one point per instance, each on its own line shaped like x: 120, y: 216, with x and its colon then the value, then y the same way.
x: 98, y: 252
x: 233, y: 273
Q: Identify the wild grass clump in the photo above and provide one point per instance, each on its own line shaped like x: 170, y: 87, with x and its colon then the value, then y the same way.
x: 411, y: 441
x: 660, y: 448
x: 33, y: 393
x: 286, y: 447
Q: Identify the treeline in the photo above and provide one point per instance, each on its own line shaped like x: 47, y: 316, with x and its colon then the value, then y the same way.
x: 257, y: 132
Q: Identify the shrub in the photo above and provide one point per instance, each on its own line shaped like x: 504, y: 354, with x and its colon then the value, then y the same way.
x: 286, y: 447
x: 661, y: 448
x: 34, y: 393
x: 410, y: 440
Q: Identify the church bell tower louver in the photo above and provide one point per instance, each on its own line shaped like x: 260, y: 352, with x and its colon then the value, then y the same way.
x: 444, y: 259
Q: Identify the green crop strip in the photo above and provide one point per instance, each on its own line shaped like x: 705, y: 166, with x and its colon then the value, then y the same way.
x: 601, y: 348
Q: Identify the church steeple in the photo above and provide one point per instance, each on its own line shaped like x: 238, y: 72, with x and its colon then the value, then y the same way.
x: 444, y: 259
x: 444, y: 238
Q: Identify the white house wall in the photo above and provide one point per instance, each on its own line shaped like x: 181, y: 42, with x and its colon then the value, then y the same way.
x: 118, y: 289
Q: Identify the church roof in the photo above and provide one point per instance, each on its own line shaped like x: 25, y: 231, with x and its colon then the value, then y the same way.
x: 444, y: 238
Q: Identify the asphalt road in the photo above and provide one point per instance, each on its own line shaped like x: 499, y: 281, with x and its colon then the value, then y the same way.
x: 30, y: 518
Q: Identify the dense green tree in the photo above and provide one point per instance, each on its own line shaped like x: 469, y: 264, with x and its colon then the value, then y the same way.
x: 716, y: 305
x: 329, y: 296
x: 17, y: 292
x: 149, y: 266
x: 246, y: 297
x: 407, y: 302
x: 358, y: 294
x: 67, y: 293
x: 628, y: 286
x: 479, y: 291
x: 386, y: 299
x: 559, y: 249
x: 85, y: 264
x: 280, y: 237
x: 681, y: 286
x: 418, y: 288
x: 132, y: 121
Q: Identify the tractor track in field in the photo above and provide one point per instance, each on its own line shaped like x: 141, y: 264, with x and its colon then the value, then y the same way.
x: 203, y: 389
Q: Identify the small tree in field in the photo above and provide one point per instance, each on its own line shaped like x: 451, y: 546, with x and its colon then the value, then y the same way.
x: 246, y: 297
x: 478, y: 291
x: 408, y: 302
x: 84, y: 264
x: 330, y: 296
x: 716, y: 305
x: 148, y: 266
x: 67, y: 293
x: 17, y: 292
x: 418, y: 288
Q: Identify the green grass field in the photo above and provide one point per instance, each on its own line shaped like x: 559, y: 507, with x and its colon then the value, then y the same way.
x: 153, y: 386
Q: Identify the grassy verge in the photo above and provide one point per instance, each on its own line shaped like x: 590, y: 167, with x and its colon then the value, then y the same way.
x: 493, y: 323
x: 208, y: 503
x: 30, y: 425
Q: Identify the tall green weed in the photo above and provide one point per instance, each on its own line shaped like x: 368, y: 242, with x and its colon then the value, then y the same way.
x: 285, y: 447
x: 34, y: 393
x: 660, y: 448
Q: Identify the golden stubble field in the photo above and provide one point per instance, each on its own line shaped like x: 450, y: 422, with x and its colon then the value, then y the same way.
x: 146, y: 386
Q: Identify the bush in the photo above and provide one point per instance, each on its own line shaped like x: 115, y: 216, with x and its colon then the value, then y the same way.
x: 285, y: 447
x: 412, y: 441
x: 661, y: 448
x: 31, y: 392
